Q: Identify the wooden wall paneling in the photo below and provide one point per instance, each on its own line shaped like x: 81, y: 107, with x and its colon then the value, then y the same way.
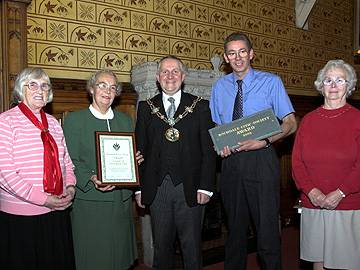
x: 288, y: 191
x: 13, y: 45
x: 71, y: 95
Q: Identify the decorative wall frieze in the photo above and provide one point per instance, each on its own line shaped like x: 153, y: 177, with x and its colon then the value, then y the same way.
x: 131, y: 31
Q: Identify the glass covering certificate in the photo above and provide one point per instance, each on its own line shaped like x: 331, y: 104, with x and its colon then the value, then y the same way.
x: 116, y: 162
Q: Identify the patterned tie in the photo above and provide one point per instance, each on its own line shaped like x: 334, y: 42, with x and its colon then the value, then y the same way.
x: 171, y: 110
x: 238, y: 104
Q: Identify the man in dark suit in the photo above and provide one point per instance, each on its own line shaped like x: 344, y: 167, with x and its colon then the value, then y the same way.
x: 177, y: 176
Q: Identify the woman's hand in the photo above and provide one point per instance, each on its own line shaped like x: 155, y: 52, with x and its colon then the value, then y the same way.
x: 316, y: 197
x: 55, y: 202
x: 99, y: 186
x: 139, y: 157
x: 61, y: 202
x: 69, y: 192
x: 332, y: 200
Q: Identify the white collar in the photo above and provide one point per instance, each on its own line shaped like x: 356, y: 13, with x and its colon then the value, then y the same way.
x: 108, y: 115
x: 176, y: 96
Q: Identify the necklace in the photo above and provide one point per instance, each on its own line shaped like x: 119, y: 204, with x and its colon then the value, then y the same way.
x: 172, y: 134
x: 328, y: 114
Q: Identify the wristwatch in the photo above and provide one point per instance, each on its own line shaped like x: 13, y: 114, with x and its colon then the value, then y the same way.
x: 268, y: 143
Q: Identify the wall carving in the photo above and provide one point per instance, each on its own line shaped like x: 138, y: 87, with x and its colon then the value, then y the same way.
x: 85, y: 35
x: 197, y: 82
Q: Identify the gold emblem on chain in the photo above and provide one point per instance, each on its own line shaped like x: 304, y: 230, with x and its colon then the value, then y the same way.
x: 172, y: 134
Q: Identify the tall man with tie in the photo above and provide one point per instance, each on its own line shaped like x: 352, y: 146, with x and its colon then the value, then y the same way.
x: 250, y: 174
x: 178, y: 174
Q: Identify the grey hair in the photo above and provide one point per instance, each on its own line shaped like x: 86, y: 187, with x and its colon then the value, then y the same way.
x: 340, y: 64
x: 183, y: 68
x: 95, y: 76
x: 238, y: 36
x: 24, y: 77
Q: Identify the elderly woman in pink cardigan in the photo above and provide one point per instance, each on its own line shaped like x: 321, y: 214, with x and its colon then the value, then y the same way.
x: 36, y: 181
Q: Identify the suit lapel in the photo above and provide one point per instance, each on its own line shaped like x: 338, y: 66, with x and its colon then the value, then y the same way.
x: 184, y: 102
x: 183, y: 123
x: 159, y: 104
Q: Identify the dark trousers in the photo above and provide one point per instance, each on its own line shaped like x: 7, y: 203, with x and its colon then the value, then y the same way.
x: 170, y: 215
x: 250, y: 188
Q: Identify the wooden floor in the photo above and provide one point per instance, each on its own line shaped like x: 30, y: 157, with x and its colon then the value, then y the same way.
x: 290, y: 254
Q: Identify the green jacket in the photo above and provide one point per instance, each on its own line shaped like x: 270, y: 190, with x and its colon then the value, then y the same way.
x: 79, y: 130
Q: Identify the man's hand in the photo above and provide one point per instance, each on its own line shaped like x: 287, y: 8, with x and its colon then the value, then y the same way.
x: 139, y: 157
x: 138, y: 200
x: 250, y: 145
x: 225, y: 152
x: 202, y: 198
x: 243, y: 146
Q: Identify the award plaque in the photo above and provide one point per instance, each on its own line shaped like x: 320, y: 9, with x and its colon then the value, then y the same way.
x: 257, y: 126
x: 116, y: 162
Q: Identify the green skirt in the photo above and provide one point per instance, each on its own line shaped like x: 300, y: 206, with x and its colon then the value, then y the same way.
x: 104, y: 235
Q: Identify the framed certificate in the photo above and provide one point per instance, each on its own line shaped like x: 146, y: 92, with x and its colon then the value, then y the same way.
x: 115, y: 155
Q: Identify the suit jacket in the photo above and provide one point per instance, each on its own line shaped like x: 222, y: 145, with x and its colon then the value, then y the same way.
x: 197, y: 156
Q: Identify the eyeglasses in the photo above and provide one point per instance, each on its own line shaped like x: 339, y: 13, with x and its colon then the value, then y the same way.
x: 167, y: 73
x: 233, y: 54
x: 35, y: 86
x: 337, y: 81
x: 104, y: 86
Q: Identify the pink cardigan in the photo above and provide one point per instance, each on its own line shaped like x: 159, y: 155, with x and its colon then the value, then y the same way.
x: 21, y: 163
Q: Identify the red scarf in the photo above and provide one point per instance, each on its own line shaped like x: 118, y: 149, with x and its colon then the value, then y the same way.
x: 52, y: 179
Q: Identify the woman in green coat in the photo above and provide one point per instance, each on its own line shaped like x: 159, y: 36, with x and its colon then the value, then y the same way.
x: 102, y: 220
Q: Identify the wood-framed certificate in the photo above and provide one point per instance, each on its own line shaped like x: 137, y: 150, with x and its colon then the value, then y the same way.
x: 115, y: 157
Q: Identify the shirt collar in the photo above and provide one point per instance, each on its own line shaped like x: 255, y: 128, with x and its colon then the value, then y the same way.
x: 176, y: 96
x: 247, y: 79
x: 108, y: 115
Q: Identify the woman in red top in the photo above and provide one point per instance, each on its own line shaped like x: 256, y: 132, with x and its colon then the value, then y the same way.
x: 326, y: 169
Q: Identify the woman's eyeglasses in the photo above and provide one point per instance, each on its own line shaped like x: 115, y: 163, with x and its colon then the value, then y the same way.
x: 337, y: 81
x: 35, y: 86
x: 104, y: 86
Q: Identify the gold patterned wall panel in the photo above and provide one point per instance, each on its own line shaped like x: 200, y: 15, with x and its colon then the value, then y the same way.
x: 86, y: 12
x: 160, y: 25
x: 162, y: 45
x: 56, y: 8
x: 85, y: 35
x: 185, y: 9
